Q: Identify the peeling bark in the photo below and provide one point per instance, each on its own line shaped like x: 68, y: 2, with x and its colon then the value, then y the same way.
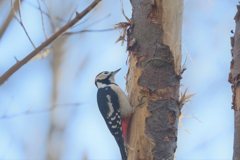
x: 154, y: 71
x: 234, y: 79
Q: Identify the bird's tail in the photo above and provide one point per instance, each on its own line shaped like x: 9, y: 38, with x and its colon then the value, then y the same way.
x: 123, y: 152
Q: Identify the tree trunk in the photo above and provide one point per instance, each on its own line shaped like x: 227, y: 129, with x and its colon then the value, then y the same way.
x: 154, y: 72
x: 234, y: 78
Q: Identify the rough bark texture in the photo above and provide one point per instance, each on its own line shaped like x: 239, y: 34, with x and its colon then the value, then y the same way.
x: 154, y: 71
x: 234, y: 78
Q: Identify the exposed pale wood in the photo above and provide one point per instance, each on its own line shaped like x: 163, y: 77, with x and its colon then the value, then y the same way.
x: 139, y: 143
x: 172, y: 26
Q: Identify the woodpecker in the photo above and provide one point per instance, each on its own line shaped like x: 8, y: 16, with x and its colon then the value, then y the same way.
x: 114, y: 107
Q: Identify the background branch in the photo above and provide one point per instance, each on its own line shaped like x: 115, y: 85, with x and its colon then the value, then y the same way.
x: 9, y: 18
x: 61, y: 31
x: 28, y: 112
x: 42, y: 19
x: 20, y: 20
x: 87, y: 30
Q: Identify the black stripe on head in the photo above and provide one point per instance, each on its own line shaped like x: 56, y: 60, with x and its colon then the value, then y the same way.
x: 104, y: 81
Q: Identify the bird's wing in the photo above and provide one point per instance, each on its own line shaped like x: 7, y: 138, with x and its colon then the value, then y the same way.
x: 108, y: 104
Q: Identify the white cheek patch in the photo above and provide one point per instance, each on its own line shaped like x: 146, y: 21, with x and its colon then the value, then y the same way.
x: 101, y: 85
x: 110, y: 106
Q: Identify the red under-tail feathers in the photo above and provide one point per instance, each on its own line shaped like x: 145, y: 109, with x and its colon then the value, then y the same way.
x: 125, y: 123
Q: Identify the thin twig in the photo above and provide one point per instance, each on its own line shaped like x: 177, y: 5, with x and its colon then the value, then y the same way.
x: 42, y: 19
x: 72, y: 13
x: 60, y: 32
x: 47, y: 7
x: 99, y: 20
x: 87, y: 30
x: 188, y: 53
x: 28, y: 112
x: 48, y: 15
x: 94, y: 22
x: 80, y: 23
x: 32, y: 5
x: 20, y: 20
x: 9, y: 18
x: 19, y: 9
x: 27, y: 34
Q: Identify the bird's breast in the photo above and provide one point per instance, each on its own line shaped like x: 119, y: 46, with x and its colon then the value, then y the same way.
x: 125, y: 107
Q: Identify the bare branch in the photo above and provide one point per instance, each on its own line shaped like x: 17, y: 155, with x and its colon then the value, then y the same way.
x: 83, y: 21
x: 9, y: 18
x: 25, y: 30
x: 14, y: 11
x: 87, y: 30
x: 20, y: 20
x: 19, y: 9
x: 93, y: 22
x: 60, y: 32
x: 42, y: 19
x: 47, y: 14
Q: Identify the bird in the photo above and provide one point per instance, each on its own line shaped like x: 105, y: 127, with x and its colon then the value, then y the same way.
x: 114, y: 107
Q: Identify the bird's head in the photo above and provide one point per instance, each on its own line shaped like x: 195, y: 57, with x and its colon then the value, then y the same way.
x: 105, y: 78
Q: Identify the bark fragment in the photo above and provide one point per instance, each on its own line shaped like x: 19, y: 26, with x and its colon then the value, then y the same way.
x: 234, y: 79
x: 234, y: 75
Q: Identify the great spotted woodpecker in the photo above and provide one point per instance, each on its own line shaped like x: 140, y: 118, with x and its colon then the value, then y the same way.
x: 114, y: 107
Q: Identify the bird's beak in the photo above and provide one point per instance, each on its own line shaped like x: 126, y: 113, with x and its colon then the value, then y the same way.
x: 116, y: 71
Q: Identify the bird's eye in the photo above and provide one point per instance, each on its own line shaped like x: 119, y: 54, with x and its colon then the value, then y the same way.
x: 105, y: 72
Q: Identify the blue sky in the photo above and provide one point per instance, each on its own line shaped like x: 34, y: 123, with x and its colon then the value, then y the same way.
x: 30, y: 88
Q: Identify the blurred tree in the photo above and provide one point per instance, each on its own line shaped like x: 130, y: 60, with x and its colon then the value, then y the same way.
x: 154, y: 45
x: 56, y: 141
x: 234, y: 79
x: 57, y: 127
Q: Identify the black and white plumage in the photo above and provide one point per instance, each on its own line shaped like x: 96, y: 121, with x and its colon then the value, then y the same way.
x: 113, y: 105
